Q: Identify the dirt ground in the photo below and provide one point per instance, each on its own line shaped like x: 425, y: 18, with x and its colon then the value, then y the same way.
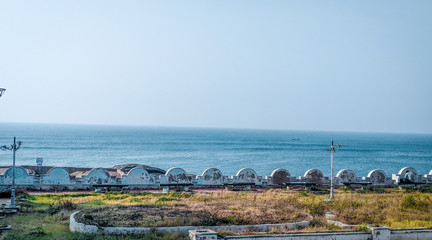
x: 137, y: 216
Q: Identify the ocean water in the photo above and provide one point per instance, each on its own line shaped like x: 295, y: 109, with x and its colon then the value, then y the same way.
x: 195, y: 149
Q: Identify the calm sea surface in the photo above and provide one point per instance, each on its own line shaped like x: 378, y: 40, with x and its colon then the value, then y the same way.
x: 229, y: 150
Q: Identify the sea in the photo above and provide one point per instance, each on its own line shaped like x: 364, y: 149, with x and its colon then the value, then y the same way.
x: 229, y: 150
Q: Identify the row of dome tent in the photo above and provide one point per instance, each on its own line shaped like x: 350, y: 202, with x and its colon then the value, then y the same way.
x: 145, y: 177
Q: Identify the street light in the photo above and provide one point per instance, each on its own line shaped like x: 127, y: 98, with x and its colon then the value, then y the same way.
x: 332, y: 149
x: 16, y: 145
x: 2, y: 90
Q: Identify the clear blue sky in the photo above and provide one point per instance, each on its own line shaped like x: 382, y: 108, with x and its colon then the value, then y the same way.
x: 300, y: 65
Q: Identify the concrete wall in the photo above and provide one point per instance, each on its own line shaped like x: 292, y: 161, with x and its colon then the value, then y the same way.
x: 407, y: 175
x: 139, y: 177
x: 175, y: 176
x: 312, y: 236
x: 98, y: 176
x: 57, y: 176
x: 346, y: 176
x: 247, y: 176
x: 313, y: 176
x: 280, y: 177
x: 376, y: 234
x: 207, y: 234
x: 21, y: 177
x: 211, y: 176
x: 425, y: 234
x: 378, y: 178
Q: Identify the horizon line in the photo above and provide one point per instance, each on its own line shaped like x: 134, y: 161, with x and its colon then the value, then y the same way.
x: 212, y: 127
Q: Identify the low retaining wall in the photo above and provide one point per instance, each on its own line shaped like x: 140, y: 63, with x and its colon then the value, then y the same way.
x: 92, y: 229
x: 378, y: 233
x: 208, y: 232
x: 424, y: 234
x: 313, y: 236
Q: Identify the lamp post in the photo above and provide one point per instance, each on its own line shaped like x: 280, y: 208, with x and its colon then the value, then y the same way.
x: 2, y: 90
x: 332, y: 149
x: 16, y: 145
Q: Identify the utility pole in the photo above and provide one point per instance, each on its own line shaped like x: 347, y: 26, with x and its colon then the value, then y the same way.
x: 332, y: 149
x: 16, y: 145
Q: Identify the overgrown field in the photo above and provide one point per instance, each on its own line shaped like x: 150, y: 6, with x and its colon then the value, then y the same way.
x: 46, y: 216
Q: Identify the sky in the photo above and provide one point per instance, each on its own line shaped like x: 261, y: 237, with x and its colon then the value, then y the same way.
x: 298, y: 65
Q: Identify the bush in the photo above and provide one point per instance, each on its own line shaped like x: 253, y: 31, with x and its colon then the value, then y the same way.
x: 317, y: 209
x: 414, y: 202
x: 425, y: 189
x: 231, y: 220
x: 36, y: 232
x: 346, y: 189
x: 418, y: 189
x: 375, y: 190
x: 362, y: 228
x: 25, y: 196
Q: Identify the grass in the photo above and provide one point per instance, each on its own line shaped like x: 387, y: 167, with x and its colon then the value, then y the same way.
x: 46, y: 216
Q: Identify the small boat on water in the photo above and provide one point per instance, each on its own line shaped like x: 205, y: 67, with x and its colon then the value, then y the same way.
x: 295, y: 139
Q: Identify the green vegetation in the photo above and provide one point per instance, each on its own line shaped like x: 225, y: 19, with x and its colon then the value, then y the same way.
x: 40, y: 224
x: 46, y: 216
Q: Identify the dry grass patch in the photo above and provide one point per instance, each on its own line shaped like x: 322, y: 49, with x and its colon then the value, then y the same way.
x: 391, y: 208
x: 201, y: 209
x: 394, y: 209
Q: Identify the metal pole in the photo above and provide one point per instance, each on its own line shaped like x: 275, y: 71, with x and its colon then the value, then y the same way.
x: 331, y: 180
x: 14, y: 147
x: 332, y: 149
x: 13, y: 175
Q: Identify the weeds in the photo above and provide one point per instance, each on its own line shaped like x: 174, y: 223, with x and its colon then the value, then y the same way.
x: 164, y: 199
x: 375, y: 190
x: 346, y: 189
x: 416, y: 203
x: 61, y: 205
x: 418, y: 189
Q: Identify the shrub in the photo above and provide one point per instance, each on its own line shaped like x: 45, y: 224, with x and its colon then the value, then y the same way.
x: 25, y: 196
x: 362, y: 228
x: 425, y: 189
x: 231, y: 220
x: 62, y: 205
x: 317, y: 209
x: 346, y: 189
x: 37, y: 232
x: 414, y: 202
